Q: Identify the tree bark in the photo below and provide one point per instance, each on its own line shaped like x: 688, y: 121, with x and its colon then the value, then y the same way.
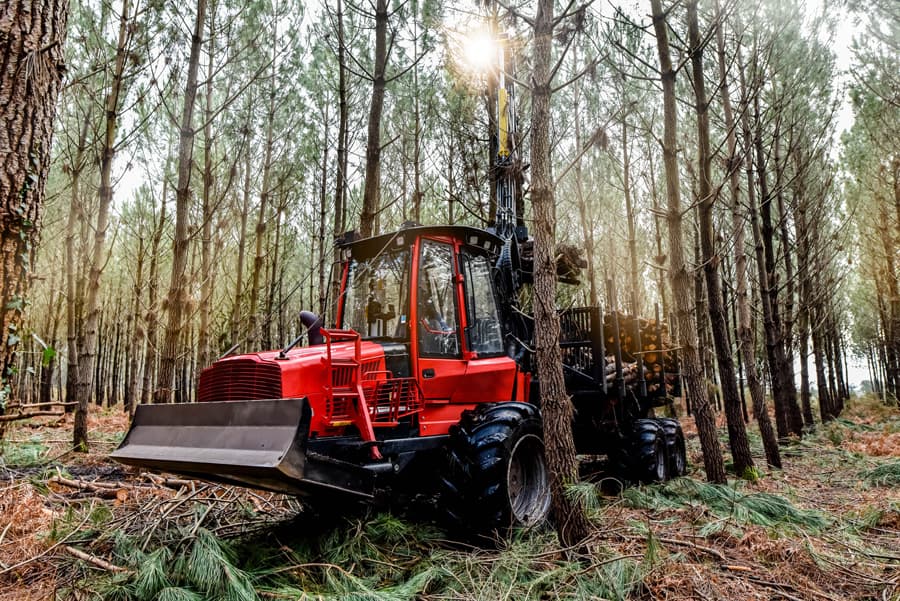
x: 323, y: 191
x: 587, y: 230
x: 207, y: 276
x: 570, y: 518
x: 73, y: 301
x: 177, y: 297
x: 372, y: 188
x: 138, y: 333
x: 253, y: 322
x: 784, y: 390
x: 745, y: 325
x: 737, y: 433
x: 88, y: 353
x: 31, y: 71
x: 679, y: 276
x: 242, y: 251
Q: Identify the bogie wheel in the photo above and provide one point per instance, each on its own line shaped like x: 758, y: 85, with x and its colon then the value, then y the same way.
x: 675, y: 444
x: 496, y: 475
x: 650, y: 456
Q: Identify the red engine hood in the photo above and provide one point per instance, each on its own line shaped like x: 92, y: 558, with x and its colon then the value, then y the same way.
x: 302, y: 374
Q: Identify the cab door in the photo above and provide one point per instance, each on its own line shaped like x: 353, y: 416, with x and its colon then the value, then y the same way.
x: 491, y: 376
x: 440, y: 366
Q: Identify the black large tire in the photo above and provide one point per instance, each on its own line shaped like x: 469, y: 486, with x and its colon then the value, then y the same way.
x: 496, y: 477
x: 649, y: 452
x: 676, y: 446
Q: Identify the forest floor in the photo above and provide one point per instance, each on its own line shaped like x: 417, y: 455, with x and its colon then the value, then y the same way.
x: 826, y: 527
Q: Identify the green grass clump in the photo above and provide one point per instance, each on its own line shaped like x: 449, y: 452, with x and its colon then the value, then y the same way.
x: 23, y: 454
x: 203, y: 569
x: 727, y: 502
x: 383, y: 559
x: 886, y: 474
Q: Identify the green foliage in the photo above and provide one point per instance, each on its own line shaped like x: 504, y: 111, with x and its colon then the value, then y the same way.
x: 23, y: 454
x: 727, y: 502
x: 886, y: 474
x: 384, y: 559
x: 751, y: 474
x: 210, y: 568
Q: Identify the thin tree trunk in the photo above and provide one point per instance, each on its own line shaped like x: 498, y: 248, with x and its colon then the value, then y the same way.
x: 138, y: 334
x: 801, y: 232
x: 340, y: 184
x: 177, y: 296
x: 660, y: 257
x: 323, y: 191
x: 784, y: 389
x: 98, y: 256
x: 587, y: 230
x: 745, y: 324
x: 372, y: 186
x: 207, y: 277
x: 569, y: 515
x: 260, y: 256
x: 737, y: 434
x: 678, y: 272
x: 242, y: 249
x: 152, y: 317
x: 73, y: 303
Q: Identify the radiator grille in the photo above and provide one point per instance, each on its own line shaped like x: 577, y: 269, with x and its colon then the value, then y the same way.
x: 240, y: 380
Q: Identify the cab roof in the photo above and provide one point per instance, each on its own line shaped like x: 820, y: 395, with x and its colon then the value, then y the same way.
x: 470, y: 236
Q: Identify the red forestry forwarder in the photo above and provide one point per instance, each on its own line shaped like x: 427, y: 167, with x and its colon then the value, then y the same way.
x: 425, y: 387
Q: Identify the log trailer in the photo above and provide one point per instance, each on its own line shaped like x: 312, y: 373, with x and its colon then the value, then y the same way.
x: 426, y: 386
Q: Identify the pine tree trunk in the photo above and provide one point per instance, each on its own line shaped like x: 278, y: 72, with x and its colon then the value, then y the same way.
x: 177, y: 296
x: 587, y: 230
x: 98, y: 259
x: 802, y: 235
x: 692, y: 371
x: 569, y: 515
x: 323, y: 192
x: 31, y: 71
x: 737, y: 434
x: 340, y: 183
x: 242, y: 251
x: 207, y: 275
x: 253, y: 323
x: 784, y: 389
x: 136, y: 349
x: 73, y: 303
x: 372, y: 187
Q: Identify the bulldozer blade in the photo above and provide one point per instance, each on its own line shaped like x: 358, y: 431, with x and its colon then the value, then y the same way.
x: 259, y: 444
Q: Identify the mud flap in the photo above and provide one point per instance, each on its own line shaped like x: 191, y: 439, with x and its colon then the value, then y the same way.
x: 259, y: 444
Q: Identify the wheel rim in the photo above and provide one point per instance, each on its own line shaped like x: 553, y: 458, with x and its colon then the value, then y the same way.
x: 527, y: 482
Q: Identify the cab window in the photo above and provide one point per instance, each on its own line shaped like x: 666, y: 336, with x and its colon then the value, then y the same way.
x: 483, y: 333
x: 438, y: 334
x: 376, y: 300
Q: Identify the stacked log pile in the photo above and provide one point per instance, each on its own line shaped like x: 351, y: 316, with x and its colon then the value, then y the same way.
x: 640, y: 338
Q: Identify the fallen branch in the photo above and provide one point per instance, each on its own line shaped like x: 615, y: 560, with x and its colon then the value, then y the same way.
x: 51, y: 404
x: 168, y: 482
x: 686, y: 543
x: 92, y: 559
x: 18, y: 416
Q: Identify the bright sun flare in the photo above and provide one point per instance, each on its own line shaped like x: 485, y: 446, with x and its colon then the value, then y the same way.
x: 480, y: 50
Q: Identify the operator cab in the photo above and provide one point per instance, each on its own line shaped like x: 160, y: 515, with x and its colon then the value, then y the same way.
x: 448, y: 324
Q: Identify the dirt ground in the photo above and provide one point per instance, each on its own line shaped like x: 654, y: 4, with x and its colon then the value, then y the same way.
x: 50, y: 497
